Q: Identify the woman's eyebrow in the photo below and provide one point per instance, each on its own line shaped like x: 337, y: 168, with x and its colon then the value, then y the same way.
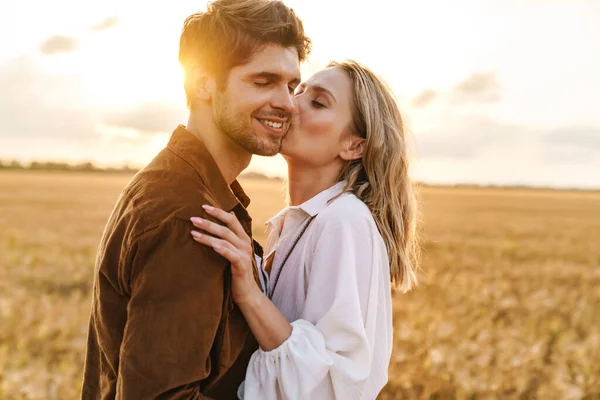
x: 321, y: 89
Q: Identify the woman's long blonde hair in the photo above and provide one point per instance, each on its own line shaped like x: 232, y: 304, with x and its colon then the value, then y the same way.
x: 380, y: 178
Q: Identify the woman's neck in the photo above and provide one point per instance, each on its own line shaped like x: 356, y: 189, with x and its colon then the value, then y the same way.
x: 305, y: 182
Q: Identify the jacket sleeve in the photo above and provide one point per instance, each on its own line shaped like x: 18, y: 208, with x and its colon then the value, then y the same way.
x: 174, y: 312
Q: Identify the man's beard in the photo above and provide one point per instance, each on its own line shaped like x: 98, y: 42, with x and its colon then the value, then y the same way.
x: 237, y: 126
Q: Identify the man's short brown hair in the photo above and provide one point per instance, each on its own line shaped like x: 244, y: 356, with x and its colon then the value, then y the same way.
x: 231, y: 31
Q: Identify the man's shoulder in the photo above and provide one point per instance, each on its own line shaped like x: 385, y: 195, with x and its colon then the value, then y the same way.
x: 168, y: 188
x: 168, y: 177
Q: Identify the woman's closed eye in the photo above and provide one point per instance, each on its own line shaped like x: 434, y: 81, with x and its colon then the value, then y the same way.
x: 317, y: 104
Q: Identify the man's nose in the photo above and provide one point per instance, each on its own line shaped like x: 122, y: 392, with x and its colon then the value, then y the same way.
x: 284, y: 100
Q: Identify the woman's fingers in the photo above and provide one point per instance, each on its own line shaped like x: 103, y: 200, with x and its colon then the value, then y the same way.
x: 217, y: 230
x: 229, y: 252
x: 222, y: 247
x: 230, y: 219
x: 216, y: 243
x: 205, y: 239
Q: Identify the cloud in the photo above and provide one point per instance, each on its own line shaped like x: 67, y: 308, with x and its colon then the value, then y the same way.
x: 58, y: 44
x: 152, y: 117
x: 574, y: 137
x: 467, y: 138
x: 424, y: 98
x: 38, y: 104
x: 480, y: 87
x: 577, y: 145
x: 34, y: 104
x: 106, y: 24
x: 569, y: 156
x: 47, y: 116
x: 477, y: 88
x: 470, y: 137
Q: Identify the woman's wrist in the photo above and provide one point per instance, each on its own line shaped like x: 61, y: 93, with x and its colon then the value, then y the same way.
x: 252, y: 299
x: 267, y: 323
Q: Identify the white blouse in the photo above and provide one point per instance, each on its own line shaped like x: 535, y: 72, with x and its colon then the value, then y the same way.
x: 335, y: 287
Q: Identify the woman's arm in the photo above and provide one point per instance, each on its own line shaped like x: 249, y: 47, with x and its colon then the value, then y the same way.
x: 267, y: 323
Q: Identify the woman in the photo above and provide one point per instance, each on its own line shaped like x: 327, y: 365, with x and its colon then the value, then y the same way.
x: 331, y: 256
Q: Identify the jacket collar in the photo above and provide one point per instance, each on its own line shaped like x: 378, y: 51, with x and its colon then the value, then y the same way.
x: 191, y: 149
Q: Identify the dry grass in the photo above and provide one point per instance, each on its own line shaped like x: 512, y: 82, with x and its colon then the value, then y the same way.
x: 508, y: 308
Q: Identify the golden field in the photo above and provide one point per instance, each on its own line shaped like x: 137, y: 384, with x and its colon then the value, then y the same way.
x: 508, y: 307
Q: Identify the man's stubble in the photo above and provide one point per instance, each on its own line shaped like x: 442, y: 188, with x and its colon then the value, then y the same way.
x: 237, y: 126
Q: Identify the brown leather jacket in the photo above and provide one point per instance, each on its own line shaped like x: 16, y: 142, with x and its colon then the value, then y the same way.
x: 163, y: 324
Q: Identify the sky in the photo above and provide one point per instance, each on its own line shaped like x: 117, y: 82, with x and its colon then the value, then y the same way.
x: 493, y: 92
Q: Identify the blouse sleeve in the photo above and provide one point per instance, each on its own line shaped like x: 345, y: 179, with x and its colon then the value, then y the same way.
x: 332, y: 346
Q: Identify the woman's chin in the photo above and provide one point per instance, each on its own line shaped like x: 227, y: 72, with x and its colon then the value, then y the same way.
x: 291, y: 151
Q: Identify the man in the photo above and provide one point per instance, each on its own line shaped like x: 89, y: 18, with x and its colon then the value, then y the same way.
x: 163, y: 324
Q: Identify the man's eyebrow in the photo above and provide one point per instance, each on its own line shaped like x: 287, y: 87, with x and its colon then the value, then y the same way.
x: 266, y: 75
x: 272, y: 76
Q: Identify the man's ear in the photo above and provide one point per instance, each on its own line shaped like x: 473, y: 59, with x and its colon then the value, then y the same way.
x: 353, y: 148
x: 204, y: 85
